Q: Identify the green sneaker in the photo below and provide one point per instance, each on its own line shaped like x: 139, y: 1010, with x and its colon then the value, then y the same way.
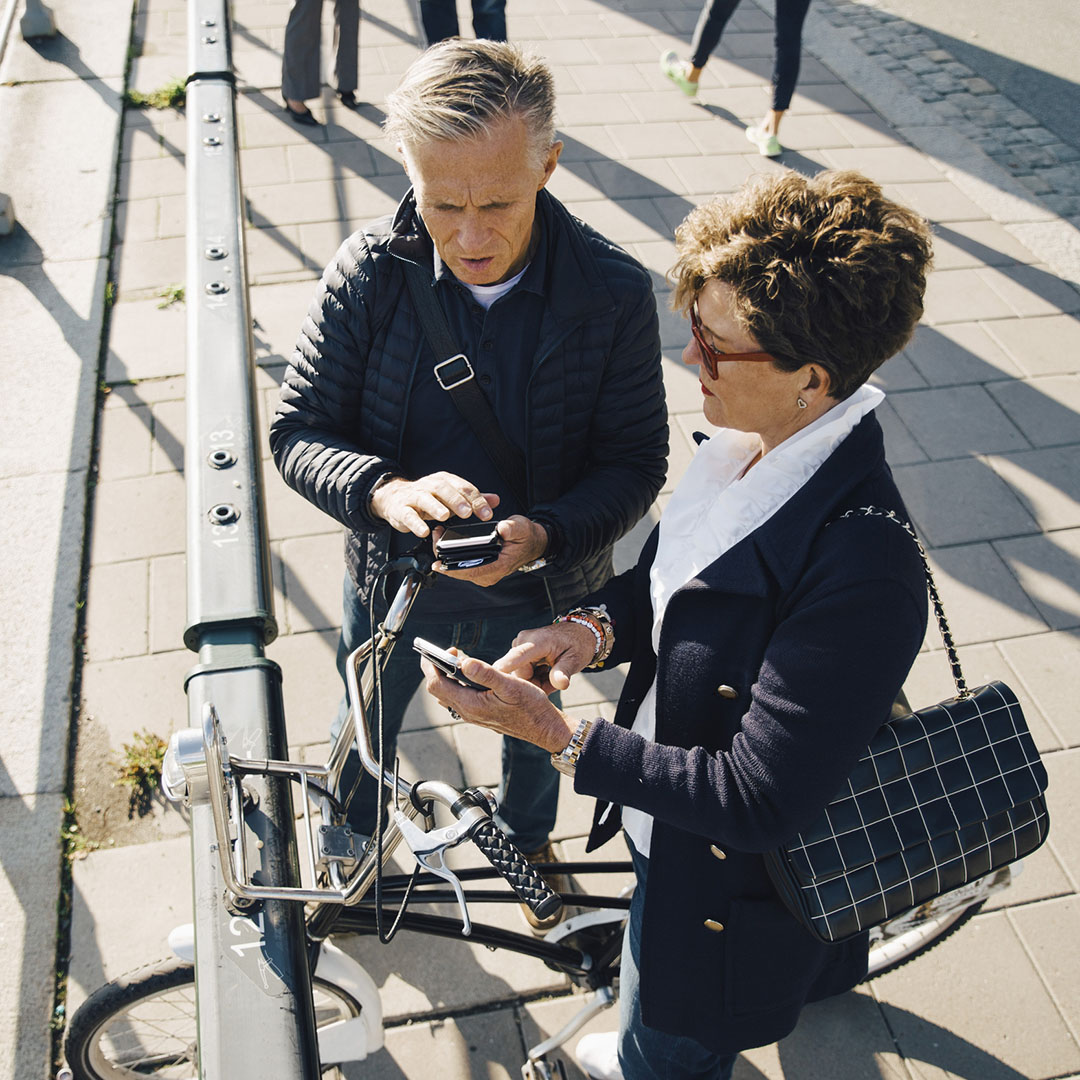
x: 768, y: 144
x: 677, y: 70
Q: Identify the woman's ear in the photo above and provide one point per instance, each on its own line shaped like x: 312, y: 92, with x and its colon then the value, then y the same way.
x: 816, y: 383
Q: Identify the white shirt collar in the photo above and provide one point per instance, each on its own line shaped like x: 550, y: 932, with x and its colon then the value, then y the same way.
x: 714, y: 506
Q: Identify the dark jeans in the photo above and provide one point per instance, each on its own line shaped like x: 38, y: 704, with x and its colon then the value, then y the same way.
x: 644, y: 1052
x: 790, y: 15
x: 440, y: 19
x: 529, y: 793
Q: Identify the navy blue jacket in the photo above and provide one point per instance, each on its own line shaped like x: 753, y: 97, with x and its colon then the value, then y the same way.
x: 776, y: 665
x: 596, y: 438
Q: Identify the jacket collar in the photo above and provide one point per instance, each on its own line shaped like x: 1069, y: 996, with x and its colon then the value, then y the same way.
x: 783, y: 542
x: 575, y: 286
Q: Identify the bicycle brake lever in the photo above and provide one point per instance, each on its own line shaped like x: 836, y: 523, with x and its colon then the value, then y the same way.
x: 428, y: 849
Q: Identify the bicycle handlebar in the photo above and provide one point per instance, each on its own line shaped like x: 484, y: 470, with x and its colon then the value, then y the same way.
x: 473, y: 809
x: 202, y: 769
x: 530, y: 887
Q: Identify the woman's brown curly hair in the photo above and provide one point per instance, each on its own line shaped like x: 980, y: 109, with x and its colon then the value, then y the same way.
x: 826, y: 270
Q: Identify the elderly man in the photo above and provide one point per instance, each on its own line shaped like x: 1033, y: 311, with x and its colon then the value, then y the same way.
x: 558, y: 330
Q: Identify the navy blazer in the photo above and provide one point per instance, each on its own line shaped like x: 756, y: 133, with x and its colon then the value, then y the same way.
x: 777, y: 663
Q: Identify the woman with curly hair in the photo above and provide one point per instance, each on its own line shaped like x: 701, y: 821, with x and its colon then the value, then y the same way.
x: 767, y: 638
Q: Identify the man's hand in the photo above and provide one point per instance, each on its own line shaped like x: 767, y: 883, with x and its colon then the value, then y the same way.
x: 549, y: 656
x: 404, y: 504
x: 523, y: 541
x: 511, y: 706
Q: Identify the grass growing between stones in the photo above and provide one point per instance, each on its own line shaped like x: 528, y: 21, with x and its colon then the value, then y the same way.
x: 170, y: 96
x: 140, y: 767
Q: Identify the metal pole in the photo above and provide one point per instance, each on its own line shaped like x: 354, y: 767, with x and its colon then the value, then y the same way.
x: 251, y: 969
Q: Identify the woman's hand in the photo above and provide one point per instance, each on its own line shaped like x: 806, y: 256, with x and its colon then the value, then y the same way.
x: 511, y: 705
x: 549, y: 656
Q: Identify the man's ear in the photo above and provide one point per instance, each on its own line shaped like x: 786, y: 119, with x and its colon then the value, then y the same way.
x: 550, y: 163
x: 404, y: 158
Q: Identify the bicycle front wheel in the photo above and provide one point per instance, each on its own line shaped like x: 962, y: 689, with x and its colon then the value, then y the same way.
x: 143, y: 1024
x: 901, y: 940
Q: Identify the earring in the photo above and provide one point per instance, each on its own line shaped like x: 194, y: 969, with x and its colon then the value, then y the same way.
x: 800, y: 403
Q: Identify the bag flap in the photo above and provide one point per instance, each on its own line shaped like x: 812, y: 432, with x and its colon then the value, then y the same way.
x: 925, y: 775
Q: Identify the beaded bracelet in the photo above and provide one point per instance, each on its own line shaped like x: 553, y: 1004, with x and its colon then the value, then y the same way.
x: 602, y: 626
x: 589, y: 624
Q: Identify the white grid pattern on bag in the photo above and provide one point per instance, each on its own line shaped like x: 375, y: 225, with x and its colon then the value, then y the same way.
x: 1017, y: 736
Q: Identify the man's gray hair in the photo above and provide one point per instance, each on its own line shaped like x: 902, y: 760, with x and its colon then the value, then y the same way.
x: 460, y: 89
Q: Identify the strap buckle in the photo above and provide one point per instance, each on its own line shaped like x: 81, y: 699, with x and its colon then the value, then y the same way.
x: 453, y: 379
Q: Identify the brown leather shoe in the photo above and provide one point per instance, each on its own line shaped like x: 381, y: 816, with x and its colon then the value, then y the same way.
x: 559, y: 883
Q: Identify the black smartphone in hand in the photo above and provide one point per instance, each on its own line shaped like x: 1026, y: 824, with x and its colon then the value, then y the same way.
x: 474, y: 543
x: 446, y: 662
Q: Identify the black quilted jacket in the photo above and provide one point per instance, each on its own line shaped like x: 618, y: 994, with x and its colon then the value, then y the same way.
x: 597, y: 422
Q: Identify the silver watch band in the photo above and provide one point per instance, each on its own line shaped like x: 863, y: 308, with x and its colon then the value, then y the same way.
x: 567, y: 758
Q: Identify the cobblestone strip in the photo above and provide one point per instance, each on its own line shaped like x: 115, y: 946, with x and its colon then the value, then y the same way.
x: 1013, y: 138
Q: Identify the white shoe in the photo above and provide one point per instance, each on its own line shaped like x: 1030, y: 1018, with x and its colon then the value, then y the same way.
x: 768, y: 144
x: 678, y: 71
x: 598, y: 1055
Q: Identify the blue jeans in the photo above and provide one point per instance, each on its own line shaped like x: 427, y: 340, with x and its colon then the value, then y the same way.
x: 440, y: 19
x: 529, y: 793
x: 644, y: 1052
x: 790, y: 15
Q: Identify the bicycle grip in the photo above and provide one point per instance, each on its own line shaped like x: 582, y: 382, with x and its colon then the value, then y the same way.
x: 530, y: 887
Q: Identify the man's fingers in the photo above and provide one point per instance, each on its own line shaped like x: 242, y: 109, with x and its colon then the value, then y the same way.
x: 408, y: 520
x: 482, y: 506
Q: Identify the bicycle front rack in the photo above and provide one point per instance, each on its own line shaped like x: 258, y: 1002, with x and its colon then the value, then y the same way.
x: 198, y: 768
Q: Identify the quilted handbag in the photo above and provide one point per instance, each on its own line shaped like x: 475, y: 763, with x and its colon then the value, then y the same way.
x: 942, y: 797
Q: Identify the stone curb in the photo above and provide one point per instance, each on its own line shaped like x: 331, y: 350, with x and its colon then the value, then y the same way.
x: 1052, y: 238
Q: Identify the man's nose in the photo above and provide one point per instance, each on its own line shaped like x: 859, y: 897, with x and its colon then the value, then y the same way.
x: 473, y: 234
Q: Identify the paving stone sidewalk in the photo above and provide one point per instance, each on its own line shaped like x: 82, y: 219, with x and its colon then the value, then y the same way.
x: 982, y: 420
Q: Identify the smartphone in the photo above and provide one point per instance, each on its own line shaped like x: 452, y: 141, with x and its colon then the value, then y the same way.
x: 446, y: 662
x: 473, y: 543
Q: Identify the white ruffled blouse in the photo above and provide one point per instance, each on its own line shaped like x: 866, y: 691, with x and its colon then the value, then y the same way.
x: 717, y: 504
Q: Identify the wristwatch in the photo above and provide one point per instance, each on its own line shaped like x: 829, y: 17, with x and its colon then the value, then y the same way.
x: 566, y: 759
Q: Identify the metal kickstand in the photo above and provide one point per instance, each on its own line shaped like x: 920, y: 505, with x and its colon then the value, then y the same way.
x: 536, y: 1067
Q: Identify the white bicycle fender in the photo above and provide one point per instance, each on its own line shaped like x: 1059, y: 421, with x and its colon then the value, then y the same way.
x: 182, y: 942
x: 349, y: 1040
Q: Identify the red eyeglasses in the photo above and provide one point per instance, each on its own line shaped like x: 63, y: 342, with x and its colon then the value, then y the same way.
x: 711, y: 356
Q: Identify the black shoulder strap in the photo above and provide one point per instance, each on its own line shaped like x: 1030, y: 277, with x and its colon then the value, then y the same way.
x: 455, y: 375
x: 962, y: 690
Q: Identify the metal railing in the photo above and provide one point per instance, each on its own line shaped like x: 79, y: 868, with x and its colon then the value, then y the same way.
x: 251, y: 973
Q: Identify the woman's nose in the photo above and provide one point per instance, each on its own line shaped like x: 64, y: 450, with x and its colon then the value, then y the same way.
x: 692, y: 353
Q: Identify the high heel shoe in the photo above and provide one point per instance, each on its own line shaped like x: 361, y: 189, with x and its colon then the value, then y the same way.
x: 307, y: 117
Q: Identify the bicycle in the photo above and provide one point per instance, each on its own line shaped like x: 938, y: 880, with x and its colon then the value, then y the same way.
x: 144, y: 1023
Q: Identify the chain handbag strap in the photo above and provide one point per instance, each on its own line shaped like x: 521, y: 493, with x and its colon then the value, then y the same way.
x: 962, y: 690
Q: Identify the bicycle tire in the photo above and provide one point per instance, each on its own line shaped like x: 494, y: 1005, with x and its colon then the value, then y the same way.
x: 901, y: 943
x: 115, y: 1020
